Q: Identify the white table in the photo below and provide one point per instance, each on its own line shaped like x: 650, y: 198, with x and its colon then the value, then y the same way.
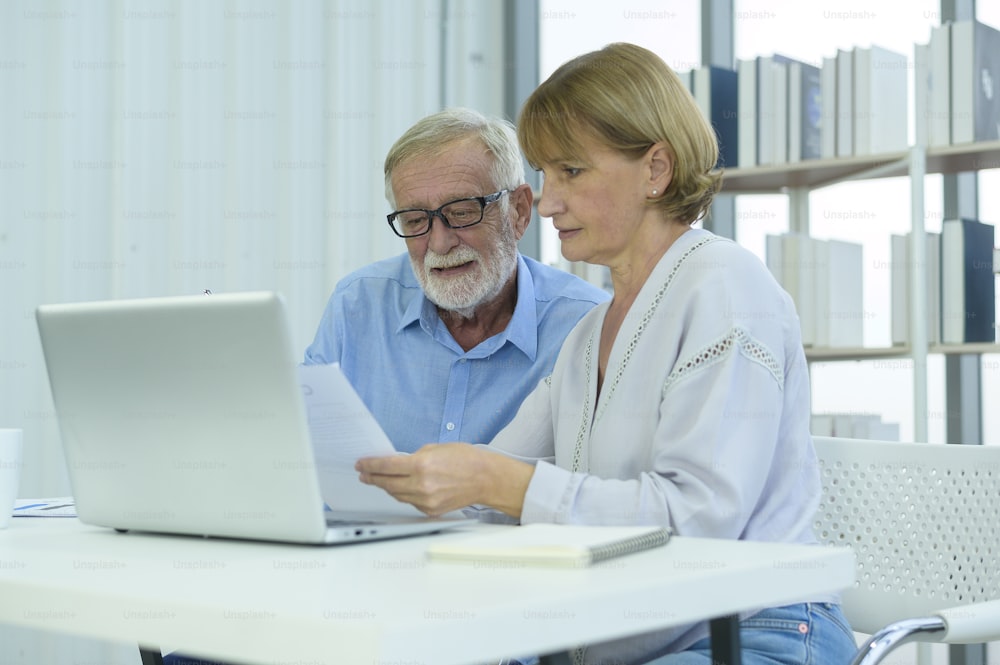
x: 379, y: 602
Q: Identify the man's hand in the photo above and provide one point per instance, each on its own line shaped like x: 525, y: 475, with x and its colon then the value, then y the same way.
x: 443, y: 477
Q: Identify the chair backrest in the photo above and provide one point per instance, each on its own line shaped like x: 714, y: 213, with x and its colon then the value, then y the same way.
x: 922, y: 519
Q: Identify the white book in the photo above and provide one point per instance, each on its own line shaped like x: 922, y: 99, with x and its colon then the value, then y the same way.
x: 899, y: 287
x: 921, y: 94
x: 880, y: 101
x: 765, y: 110
x: 821, y: 424
x: 996, y: 259
x: 962, y: 82
x: 780, y: 118
x: 862, y: 101
x: 889, y: 106
x: 774, y: 257
x: 881, y: 431
x: 821, y: 291
x: 939, y: 95
x: 799, y: 279
x: 793, y: 113
x: 845, y: 103
x: 933, y: 276
x: 902, y: 293
x: 871, y: 427
x: 747, y: 105
x: 828, y: 117
x: 844, y: 320
x: 863, y: 424
x: 687, y: 78
x: 843, y: 425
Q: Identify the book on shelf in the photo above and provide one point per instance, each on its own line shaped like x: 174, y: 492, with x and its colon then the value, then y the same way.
x: 933, y: 281
x: 823, y: 278
x: 839, y: 294
x: 921, y: 93
x: 804, y: 111
x: 900, y: 265
x: 968, y: 287
x: 772, y: 109
x: 853, y: 425
x: 687, y: 80
x: 845, y: 103
x: 880, y: 101
x: 975, y: 82
x: 996, y: 259
x: 549, y: 545
x: 828, y: 106
x: 899, y: 289
x: 746, y: 132
x: 939, y: 87
x: 715, y: 91
x: 791, y: 259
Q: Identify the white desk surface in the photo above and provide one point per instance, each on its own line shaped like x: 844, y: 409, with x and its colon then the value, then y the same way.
x: 380, y: 602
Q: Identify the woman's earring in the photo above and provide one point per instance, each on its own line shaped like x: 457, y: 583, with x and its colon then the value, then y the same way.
x: 654, y: 192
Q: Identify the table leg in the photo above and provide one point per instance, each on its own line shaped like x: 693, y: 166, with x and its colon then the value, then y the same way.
x: 150, y: 655
x: 725, y: 638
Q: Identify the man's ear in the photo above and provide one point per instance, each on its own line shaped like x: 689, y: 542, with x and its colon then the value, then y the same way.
x: 660, y: 159
x: 521, y: 199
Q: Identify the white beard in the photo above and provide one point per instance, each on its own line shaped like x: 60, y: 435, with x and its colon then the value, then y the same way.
x: 465, y: 293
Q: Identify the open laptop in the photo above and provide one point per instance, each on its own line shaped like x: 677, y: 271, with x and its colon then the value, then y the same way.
x: 184, y: 415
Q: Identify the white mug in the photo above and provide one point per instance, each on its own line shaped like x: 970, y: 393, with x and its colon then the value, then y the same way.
x: 11, y: 443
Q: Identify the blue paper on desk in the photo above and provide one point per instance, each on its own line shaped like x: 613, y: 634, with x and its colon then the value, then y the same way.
x: 58, y: 507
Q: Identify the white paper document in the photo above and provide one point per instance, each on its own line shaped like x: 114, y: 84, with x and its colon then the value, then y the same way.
x: 344, y: 430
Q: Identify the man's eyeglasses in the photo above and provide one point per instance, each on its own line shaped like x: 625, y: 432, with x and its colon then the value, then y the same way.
x: 458, y: 214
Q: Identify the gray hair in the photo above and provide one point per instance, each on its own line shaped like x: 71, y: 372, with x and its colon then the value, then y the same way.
x: 435, y: 133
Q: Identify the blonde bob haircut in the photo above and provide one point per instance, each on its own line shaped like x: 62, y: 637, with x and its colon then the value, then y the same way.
x: 628, y: 99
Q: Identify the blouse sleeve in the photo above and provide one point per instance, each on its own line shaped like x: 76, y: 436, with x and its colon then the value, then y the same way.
x: 529, y: 436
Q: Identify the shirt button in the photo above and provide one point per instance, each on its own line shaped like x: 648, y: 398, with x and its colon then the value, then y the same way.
x: 462, y: 360
x: 450, y: 426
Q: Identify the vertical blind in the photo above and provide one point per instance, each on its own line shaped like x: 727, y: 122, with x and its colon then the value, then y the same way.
x: 165, y: 148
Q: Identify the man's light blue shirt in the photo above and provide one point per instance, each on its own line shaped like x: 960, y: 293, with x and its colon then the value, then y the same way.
x: 417, y: 381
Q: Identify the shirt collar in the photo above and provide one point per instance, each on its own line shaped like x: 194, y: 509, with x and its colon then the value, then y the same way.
x: 521, y: 331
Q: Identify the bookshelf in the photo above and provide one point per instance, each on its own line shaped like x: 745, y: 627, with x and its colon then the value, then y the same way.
x: 799, y: 178
x: 824, y: 172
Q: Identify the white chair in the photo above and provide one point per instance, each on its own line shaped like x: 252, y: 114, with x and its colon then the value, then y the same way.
x: 922, y: 520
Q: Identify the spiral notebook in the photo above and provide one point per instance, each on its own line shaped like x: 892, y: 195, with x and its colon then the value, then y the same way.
x: 557, y: 545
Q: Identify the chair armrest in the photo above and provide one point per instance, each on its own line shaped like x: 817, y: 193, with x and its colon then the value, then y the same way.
x: 895, y: 634
x: 971, y: 624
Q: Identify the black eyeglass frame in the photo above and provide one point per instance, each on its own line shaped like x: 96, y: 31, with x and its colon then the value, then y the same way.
x: 431, y: 214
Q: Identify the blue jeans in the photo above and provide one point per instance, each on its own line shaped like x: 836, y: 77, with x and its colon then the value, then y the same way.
x: 803, y: 634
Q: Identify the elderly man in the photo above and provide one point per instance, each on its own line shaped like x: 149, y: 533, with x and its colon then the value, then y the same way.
x: 443, y: 343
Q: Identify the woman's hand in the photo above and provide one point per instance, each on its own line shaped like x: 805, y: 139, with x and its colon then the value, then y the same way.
x: 443, y: 477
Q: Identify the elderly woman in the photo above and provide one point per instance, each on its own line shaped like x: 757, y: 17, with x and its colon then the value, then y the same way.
x: 682, y: 402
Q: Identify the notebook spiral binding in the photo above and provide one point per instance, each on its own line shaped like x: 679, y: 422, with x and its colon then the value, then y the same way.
x: 635, y: 544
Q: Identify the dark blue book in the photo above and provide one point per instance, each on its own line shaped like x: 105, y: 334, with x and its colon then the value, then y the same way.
x: 968, y: 288
x: 804, y: 111
x: 715, y: 90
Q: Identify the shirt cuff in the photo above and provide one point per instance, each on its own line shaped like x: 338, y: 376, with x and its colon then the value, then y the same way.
x: 550, y: 495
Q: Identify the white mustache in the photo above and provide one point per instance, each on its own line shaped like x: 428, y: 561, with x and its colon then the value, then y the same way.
x: 456, y: 257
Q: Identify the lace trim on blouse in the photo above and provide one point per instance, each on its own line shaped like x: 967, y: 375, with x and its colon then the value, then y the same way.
x: 737, y: 338
x: 581, y: 435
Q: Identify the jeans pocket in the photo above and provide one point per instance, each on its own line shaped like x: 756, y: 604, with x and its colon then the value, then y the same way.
x: 835, y: 615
